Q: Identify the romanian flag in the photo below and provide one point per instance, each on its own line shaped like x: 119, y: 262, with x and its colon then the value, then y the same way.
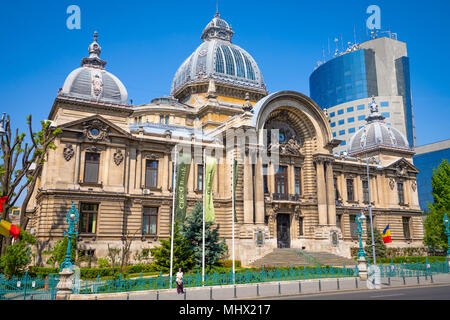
x: 8, y: 229
x: 387, y: 235
x: 2, y: 201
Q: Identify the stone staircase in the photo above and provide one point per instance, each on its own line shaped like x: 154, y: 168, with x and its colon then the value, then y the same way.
x: 296, y: 257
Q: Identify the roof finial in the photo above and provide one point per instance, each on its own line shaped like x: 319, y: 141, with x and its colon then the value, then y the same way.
x: 94, y: 55
x: 217, y: 8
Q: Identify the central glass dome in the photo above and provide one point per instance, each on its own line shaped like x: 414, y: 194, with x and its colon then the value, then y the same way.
x: 219, y: 59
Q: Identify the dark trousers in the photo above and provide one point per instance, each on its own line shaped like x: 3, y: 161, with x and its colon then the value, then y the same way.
x: 180, y: 287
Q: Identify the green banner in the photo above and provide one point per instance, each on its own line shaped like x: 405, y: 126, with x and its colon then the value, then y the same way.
x: 183, y: 167
x: 209, y: 205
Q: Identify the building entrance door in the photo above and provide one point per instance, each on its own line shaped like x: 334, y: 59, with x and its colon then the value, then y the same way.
x: 283, y: 231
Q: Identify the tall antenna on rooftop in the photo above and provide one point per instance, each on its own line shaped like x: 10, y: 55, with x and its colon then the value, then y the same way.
x: 354, y: 33
x: 217, y: 6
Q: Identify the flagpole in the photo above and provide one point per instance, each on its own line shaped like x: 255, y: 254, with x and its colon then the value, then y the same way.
x: 204, y: 196
x: 232, y: 215
x: 173, y: 211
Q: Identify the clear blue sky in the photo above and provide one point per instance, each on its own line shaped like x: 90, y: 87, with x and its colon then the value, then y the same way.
x: 144, y: 42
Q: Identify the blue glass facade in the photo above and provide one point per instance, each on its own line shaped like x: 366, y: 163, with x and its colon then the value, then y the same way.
x: 426, y: 163
x: 349, y: 77
x: 404, y: 90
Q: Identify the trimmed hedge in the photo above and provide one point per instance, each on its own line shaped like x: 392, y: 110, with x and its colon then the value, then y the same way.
x: 413, y: 259
x: 229, y: 263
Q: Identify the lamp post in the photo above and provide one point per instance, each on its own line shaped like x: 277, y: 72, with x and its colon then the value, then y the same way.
x: 370, y: 210
x: 72, y: 218
x: 65, y: 284
x: 362, y: 263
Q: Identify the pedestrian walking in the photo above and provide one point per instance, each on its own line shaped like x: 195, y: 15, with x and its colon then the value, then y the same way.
x: 179, y: 281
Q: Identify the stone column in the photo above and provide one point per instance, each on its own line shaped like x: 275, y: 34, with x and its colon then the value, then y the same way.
x: 321, y: 193
x: 248, y: 191
x: 259, y: 192
x: 331, y: 203
x: 65, y: 284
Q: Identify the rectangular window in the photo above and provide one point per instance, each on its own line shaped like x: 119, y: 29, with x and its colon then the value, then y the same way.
x: 351, y: 130
x: 298, y: 181
x: 353, y: 227
x: 350, y: 193
x: 340, y: 111
x: 151, y: 173
x: 91, y: 167
x: 350, y: 120
x: 343, y: 143
x: 401, y: 196
x: 341, y: 132
x: 365, y: 185
x: 334, y: 134
x: 339, y: 221
x: 300, y: 226
x: 386, y: 114
x: 167, y: 119
x: 360, y: 107
x: 384, y: 104
x: 88, y: 218
x: 351, y: 109
x: 360, y: 118
x: 406, y: 227
x: 200, y: 177
x: 266, y: 188
x: 333, y: 124
x: 161, y: 119
x: 341, y: 122
x: 149, y: 221
x: 281, y: 180
x: 332, y: 114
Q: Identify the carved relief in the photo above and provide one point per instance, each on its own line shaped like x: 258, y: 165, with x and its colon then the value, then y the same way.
x: 297, y: 212
x: 97, y: 85
x: 391, y: 184
x: 152, y: 155
x: 68, y: 152
x: 414, y: 186
x: 95, y: 130
x: 118, y: 157
x: 93, y: 148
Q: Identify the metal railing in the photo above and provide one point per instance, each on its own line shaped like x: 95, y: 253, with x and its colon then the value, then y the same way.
x: 216, y: 279
x: 28, y: 288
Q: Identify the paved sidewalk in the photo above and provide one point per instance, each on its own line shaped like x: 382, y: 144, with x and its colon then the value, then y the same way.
x: 267, y: 289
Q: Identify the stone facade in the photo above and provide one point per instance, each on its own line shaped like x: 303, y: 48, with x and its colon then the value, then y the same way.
x: 115, y: 161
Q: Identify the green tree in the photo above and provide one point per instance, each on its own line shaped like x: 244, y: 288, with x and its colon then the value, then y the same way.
x: 192, y: 230
x: 17, y: 256
x: 22, y: 165
x: 182, y: 254
x: 380, y: 247
x: 58, y: 253
x: 435, y: 237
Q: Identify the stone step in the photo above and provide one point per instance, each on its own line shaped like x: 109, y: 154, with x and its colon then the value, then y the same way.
x: 288, y: 257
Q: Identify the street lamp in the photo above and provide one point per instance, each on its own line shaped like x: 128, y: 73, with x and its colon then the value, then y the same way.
x: 359, y: 221
x: 370, y: 210
x: 72, y: 219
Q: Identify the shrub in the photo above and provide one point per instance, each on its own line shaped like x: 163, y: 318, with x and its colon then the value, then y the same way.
x: 229, y: 263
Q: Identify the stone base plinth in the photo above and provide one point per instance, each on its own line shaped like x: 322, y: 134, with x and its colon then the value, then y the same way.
x: 65, y: 284
x: 362, y: 268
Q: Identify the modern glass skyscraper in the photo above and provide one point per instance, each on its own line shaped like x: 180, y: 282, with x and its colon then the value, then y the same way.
x: 427, y: 158
x: 346, y: 84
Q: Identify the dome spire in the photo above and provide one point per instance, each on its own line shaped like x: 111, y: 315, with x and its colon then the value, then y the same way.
x: 217, y: 29
x: 94, y: 60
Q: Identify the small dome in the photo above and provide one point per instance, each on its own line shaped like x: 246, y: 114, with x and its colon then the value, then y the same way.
x: 376, y: 133
x: 217, y: 58
x: 93, y: 82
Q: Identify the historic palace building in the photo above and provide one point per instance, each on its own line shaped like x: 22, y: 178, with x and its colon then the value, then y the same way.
x: 115, y: 161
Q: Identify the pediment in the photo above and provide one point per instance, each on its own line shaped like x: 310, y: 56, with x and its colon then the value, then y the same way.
x: 402, y: 166
x: 96, y: 128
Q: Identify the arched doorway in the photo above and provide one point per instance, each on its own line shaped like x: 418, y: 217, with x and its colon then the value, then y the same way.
x: 283, y: 231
